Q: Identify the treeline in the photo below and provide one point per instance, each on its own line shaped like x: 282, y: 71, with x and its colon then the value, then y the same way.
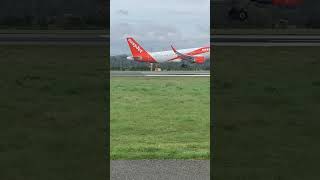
x: 120, y: 63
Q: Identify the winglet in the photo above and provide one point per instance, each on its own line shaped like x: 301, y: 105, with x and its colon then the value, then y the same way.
x: 174, y: 50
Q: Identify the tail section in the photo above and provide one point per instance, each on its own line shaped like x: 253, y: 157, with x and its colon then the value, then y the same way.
x: 135, y: 48
x: 138, y: 53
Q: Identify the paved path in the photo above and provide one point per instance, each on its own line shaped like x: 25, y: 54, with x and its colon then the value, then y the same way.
x: 160, y: 74
x: 265, y: 40
x: 160, y: 170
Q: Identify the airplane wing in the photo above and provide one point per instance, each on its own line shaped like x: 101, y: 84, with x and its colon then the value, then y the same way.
x: 183, y: 56
x: 189, y: 58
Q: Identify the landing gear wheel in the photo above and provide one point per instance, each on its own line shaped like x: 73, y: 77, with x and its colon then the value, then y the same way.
x: 184, y: 66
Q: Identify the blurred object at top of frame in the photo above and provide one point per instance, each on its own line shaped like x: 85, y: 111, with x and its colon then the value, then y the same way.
x: 53, y: 14
x: 276, y: 14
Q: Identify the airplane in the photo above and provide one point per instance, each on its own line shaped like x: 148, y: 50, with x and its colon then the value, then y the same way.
x: 239, y: 11
x: 191, y: 55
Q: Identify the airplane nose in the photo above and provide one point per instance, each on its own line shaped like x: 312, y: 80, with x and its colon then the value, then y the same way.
x: 130, y: 58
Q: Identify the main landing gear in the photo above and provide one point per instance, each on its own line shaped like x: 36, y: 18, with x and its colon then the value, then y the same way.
x: 184, y: 65
x: 156, y: 67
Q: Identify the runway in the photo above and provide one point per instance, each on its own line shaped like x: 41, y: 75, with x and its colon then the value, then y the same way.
x: 216, y: 40
x: 160, y: 169
x: 160, y: 74
x: 265, y: 40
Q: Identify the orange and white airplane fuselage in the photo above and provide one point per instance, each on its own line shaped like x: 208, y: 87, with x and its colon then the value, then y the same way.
x: 192, y: 55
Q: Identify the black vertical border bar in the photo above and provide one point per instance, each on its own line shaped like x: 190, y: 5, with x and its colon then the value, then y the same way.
x: 212, y: 119
x: 107, y: 91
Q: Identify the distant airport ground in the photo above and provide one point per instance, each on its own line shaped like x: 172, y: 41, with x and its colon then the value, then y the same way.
x: 266, y: 101
x: 160, y: 74
x: 52, y: 111
x: 160, y: 117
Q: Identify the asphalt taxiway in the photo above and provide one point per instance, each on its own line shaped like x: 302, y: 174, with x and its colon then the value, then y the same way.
x: 160, y: 74
x: 160, y: 169
x: 265, y: 40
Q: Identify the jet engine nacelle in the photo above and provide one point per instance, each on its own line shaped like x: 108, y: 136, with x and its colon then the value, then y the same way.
x: 199, y: 60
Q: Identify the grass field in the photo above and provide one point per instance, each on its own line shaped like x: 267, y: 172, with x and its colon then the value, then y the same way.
x: 160, y: 118
x: 52, y: 108
x: 266, y: 104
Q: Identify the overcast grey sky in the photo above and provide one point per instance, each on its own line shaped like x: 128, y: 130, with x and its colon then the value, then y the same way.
x: 156, y: 24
